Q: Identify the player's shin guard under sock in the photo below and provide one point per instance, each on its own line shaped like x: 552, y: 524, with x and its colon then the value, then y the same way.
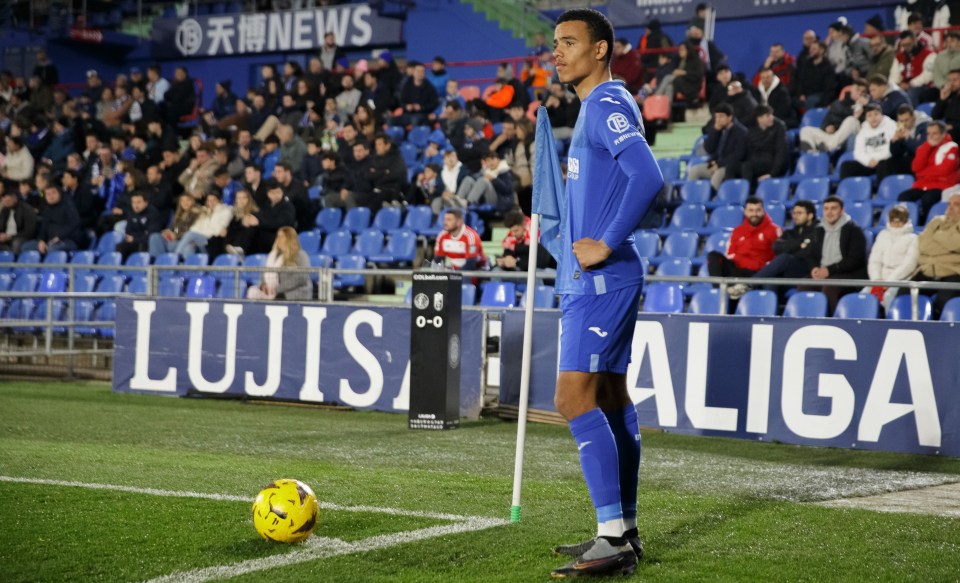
x: 600, y: 466
x: 626, y: 432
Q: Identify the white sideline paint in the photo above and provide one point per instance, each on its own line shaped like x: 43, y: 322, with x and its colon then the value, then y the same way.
x: 934, y: 500
x: 313, y: 549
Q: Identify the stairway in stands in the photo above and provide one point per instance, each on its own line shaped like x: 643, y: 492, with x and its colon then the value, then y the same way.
x: 516, y: 17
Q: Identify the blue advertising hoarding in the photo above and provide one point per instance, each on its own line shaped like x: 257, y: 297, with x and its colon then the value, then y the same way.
x: 870, y: 384
x: 354, y: 356
x: 639, y: 12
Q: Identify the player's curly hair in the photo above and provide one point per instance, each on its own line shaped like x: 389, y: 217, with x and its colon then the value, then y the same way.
x: 598, y: 25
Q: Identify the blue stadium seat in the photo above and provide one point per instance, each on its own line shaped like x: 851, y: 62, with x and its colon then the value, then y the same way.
x: 683, y: 244
x: 419, y: 217
x: 723, y: 219
x: 337, y: 243
x: 717, y: 241
x: 227, y: 287
x: 679, y: 266
x: 813, y: 117
x: 226, y: 260
x: 859, y: 305
x: 319, y: 261
x: 83, y: 311
x: 686, y: 217
x: 357, y: 219
x: 706, y: 302
x: 83, y: 258
x: 346, y: 280
x: 927, y: 107
x: 314, y: 192
x: 201, y: 286
x: 138, y: 285
x: 107, y: 242
x: 21, y: 308
x: 369, y: 242
x: 773, y: 190
x: 329, y: 219
x: 195, y: 260
x: 27, y: 257
x: 811, y: 165
x: 543, y: 297
x: 410, y: 153
x: 106, y: 261
x: 807, y: 304
x: 696, y: 191
x: 891, y: 187
x: 396, y: 133
x: 468, y: 294
x: 170, y: 286
x: 731, y: 192
x: 758, y: 302
x: 106, y: 312
x: 670, y: 169
x: 777, y: 212
x: 647, y: 243
x: 663, y: 298
x: 900, y: 308
x: 419, y: 136
x: 401, y: 248
x: 256, y: 260
x: 854, y: 188
x: 6, y: 281
x: 52, y: 282
x: 54, y: 258
x: 835, y: 175
x: 936, y: 210
x: 387, y: 219
x: 309, y: 241
x: 696, y: 150
x: 111, y: 284
x: 861, y: 213
x: 951, y: 311
x: 141, y: 259
x: 498, y: 294
x: 813, y: 189
x: 6, y: 259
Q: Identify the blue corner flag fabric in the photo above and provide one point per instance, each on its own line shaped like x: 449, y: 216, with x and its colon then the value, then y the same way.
x: 549, y: 200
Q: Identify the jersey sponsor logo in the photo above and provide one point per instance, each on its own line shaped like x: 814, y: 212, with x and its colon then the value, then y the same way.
x: 596, y: 330
x: 610, y: 100
x: 618, y: 123
x: 454, y: 246
x: 573, y: 168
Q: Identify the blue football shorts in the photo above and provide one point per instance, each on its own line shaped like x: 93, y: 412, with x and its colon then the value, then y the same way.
x: 596, y: 331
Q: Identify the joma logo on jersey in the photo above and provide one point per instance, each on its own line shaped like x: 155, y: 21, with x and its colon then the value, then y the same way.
x: 617, y: 122
x: 573, y: 168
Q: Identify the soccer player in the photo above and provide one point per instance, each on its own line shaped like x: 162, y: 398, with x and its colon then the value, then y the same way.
x: 612, y: 179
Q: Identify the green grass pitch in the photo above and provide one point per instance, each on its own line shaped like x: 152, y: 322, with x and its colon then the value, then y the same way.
x: 710, y: 509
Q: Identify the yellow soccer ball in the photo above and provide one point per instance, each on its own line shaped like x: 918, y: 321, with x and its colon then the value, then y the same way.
x: 286, y: 511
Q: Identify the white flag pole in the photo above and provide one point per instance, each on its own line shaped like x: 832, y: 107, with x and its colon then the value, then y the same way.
x: 525, y: 366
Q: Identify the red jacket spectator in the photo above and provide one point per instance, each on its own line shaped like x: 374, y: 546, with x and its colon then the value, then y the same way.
x: 936, y: 166
x: 461, y: 247
x: 626, y: 65
x: 752, y: 247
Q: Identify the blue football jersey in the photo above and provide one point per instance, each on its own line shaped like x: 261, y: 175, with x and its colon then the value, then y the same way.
x: 608, y: 123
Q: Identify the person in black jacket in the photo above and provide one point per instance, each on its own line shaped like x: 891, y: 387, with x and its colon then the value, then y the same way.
x: 142, y: 221
x: 766, y: 148
x: 280, y: 212
x: 795, y: 247
x: 777, y: 96
x: 18, y: 222
x: 418, y: 97
x: 815, y: 82
x: 839, y: 250
x: 948, y: 106
x: 60, y: 224
x: 726, y: 144
x: 388, y: 175
x: 336, y: 183
x: 181, y: 98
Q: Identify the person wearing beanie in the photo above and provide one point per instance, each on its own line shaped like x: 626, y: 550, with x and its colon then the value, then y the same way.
x: 654, y: 38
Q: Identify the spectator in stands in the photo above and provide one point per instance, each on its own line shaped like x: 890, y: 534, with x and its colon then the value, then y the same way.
x: 894, y: 255
x: 935, y: 166
x: 743, y: 103
x: 452, y: 176
x: 330, y: 51
x: 438, y: 75
x: 418, y: 98
x: 158, y: 192
x: 94, y: 86
x: 911, y: 133
x: 948, y: 106
x: 625, y: 64
x: 915, y: 26
x: 45, y: 70
x: 336, y: 182
x: 725, y: 144
x: 872, y: 148
x: 780, y: 62
x: 847, y: 52
x: 766, y: 150
x: 224, y: 102
x: 366, y: 121
x: 473, y: 147
x: 119, y: 205
x: 882, y: 56
x: 773, y: 92
x: 815, y: 84
x: 296, y: 193
x: 841, y: 121
x: 292, y: 148
x: 652, y: 40
x: 241, y: 234
x: 157, y: 86
x: 939, y: 259
x: 181, y: 99
x: 946, y: 60
x: 142, y: 220
x: 388, y: 175
x: 166, y: 241
x: 18, y: 163
x: 225, y: 186
x: 494, y: 185
x: 718, y: 93
x: 539, y: 44
x: 794, y: 249
x: 459, y: 243
x: 889, y: 97
x: 711, y: 56
x: 18, y: 222
x: 349, y: 97
x: 839, y: 251
x: 283, y: 283
x: 427, y: 187
x: 912, y: 71
x: 41, y: 96
x: 563, y: 107
x: 750, y: 247
x: 279, y: 212
x: 685, y: 82
x: 516, y: 245
x: 59, y: 225
x: 269, y: 155
x: 198, y: 175
x: 62, y: 143
x: 213, y: 221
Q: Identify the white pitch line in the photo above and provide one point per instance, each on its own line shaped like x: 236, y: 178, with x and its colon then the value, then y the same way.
x: 231, y: 498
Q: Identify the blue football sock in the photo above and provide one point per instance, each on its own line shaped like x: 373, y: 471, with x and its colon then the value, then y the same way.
x: 600, y: 466
x: 626, y: 432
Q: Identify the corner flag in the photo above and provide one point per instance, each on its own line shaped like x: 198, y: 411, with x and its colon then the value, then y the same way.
x: 548, y: 192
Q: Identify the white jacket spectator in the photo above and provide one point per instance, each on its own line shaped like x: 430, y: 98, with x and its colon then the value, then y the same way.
x: 895, y: 253
x: 18, y: 163
x: 873, y: 143
x: 210, y: 224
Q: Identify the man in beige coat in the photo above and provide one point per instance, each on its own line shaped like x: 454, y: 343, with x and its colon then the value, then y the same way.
x: 940, y: 254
